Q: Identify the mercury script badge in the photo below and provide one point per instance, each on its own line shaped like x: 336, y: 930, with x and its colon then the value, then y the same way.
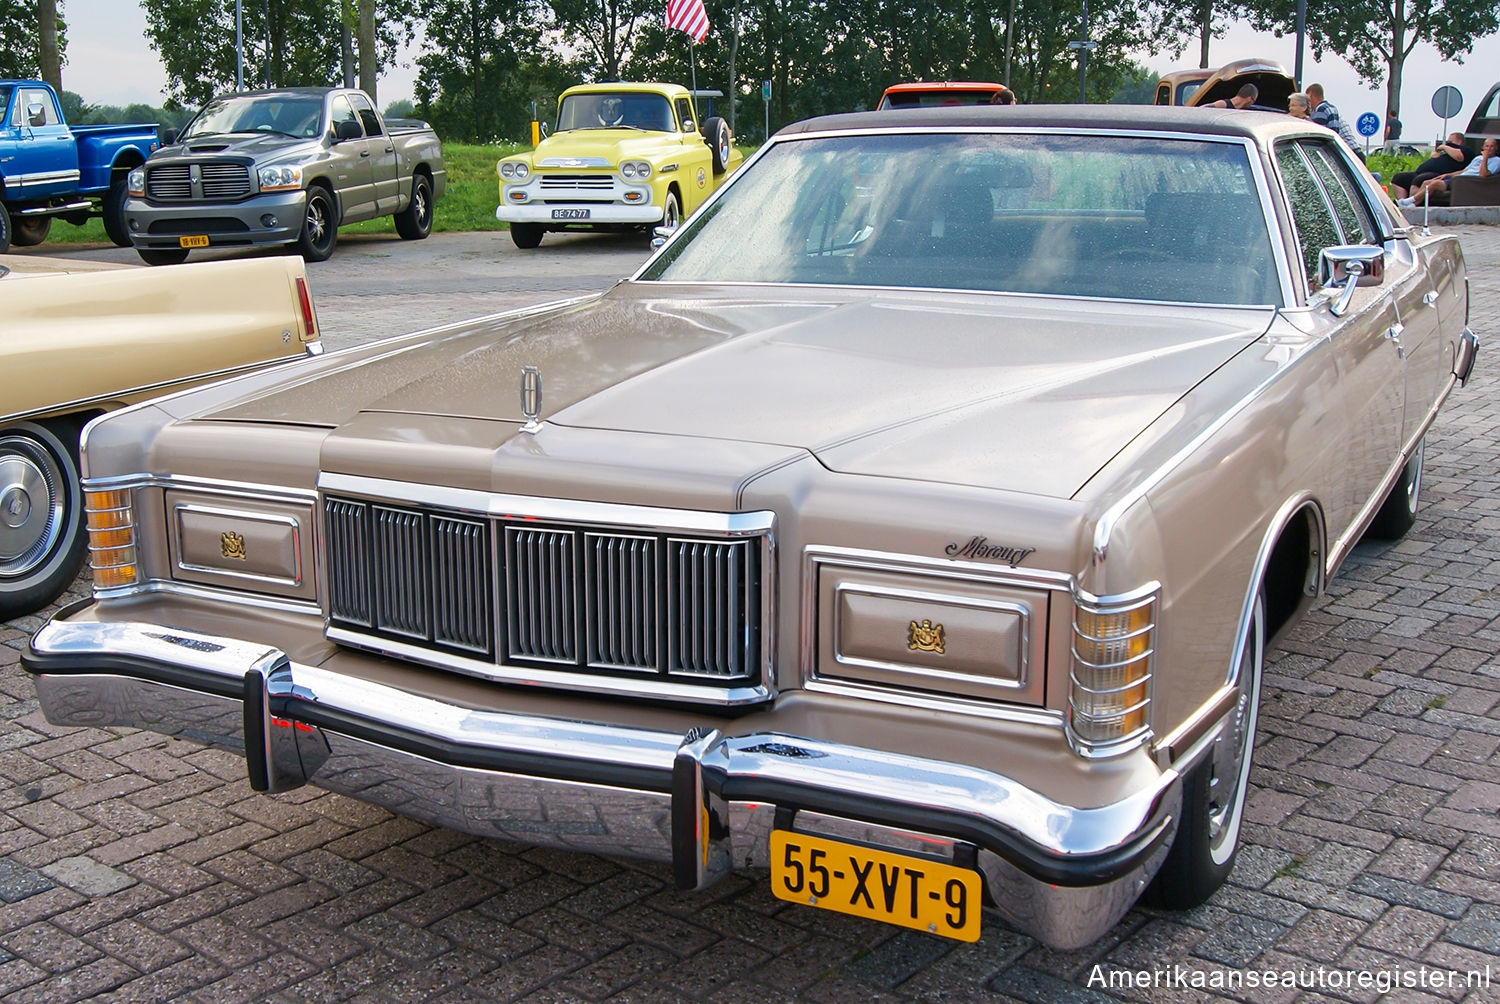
x: 531, y: 398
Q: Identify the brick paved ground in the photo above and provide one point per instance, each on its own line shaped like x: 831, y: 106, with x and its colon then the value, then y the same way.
x: 139, y: 868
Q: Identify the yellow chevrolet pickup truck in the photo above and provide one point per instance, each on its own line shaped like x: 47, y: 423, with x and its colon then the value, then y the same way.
x: 623, y: 156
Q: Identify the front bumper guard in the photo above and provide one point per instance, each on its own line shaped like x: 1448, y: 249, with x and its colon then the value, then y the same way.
x: 703, y: 801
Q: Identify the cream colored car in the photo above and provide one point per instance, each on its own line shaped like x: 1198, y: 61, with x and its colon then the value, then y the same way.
x: 911, y: 526
x: 83, y: 338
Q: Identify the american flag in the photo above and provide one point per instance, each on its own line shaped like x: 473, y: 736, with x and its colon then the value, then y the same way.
x: 688, y: 16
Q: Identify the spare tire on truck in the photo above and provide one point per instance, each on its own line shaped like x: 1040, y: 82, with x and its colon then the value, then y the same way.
x: 716, y: 135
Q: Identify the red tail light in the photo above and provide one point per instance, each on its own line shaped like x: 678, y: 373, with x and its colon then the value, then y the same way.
x: 309, y: 317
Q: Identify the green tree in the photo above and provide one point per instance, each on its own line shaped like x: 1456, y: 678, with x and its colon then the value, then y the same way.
x: 21, y: 43
x: 605, y: 30
x: 483, y: 67
x: 1376, y: 36
x: 298, y: 44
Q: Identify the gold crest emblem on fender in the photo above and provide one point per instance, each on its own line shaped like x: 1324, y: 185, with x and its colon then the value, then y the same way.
x: 232, y: 545
x: 925, y: 637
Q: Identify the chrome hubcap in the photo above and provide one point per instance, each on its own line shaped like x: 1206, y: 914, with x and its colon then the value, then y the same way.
x: 1414, y: 481
x: 1232, y: 749
x: 30, y: 510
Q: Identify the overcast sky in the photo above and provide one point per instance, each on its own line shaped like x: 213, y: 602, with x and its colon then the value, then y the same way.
x: 110, y: 62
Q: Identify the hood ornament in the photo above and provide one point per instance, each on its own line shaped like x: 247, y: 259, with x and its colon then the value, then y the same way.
x: 531, y: 398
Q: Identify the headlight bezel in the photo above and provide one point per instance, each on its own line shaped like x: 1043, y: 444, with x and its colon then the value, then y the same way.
x: 279, y: 178
x: 135, y: 182
x: 513, y: 170
x: 636, y: 170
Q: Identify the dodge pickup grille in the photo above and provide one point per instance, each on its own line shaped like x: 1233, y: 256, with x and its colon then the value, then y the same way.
x: 512, y: 592
x: 208, y: 180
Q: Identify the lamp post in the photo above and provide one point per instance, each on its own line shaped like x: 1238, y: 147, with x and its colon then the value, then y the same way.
x: 1084, y: 48
x: 239, y: 48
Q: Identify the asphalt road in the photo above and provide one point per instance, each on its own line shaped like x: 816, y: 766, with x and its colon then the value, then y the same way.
x: 134, y: 867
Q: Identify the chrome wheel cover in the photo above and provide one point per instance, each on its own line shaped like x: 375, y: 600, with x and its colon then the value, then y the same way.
x: 31, y: 505
x: 317, y: 221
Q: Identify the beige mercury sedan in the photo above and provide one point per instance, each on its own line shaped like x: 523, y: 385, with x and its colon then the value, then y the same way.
x: 82, y: 338
x: 911, y: 526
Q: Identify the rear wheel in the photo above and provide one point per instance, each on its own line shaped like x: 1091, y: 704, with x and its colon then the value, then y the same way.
x: 1213, y: 792
x: 114, y: 214
x: 1398, y: 513
x: 320, y: 226
x: 415, y: 221
x: 41, y: 517
x: 162, y: 256
x: 4, y: 229
x: 526, y: 235
x: 31, y: 230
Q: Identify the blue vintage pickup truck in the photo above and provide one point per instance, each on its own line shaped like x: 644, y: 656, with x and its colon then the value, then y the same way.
x: 49, y: 169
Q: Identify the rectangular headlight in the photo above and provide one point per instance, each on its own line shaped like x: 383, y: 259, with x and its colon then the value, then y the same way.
x: 1113, y: 649
x: 111, y: 528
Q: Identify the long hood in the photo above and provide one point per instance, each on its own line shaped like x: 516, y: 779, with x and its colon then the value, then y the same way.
x: 1017, y: 393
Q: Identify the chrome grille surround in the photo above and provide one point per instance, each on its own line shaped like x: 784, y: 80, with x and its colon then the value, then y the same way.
x: 624, y: 600
x: 221, y: 179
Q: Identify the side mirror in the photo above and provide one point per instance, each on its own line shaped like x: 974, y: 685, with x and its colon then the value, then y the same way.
x: 347, y: 129
x: 35, y: 114
x: 1348, y: 266
x: 688, y: 125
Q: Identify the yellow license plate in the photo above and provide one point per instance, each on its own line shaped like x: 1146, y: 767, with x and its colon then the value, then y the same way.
x: 901, y: 889
x: 193, y: 241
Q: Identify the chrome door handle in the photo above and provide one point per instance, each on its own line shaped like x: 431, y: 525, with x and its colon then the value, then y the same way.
x: 1393, y: 333
x: 1430, y: 298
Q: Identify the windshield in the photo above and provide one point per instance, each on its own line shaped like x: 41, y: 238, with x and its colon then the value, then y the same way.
x: 1107, y: 216
x: 288, y: 114
x: 615, y: 110
x: 4, y: 102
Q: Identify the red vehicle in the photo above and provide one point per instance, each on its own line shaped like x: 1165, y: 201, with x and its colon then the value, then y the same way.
x: 949, y: 92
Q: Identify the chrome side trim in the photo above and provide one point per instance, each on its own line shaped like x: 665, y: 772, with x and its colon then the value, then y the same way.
x: 499, y: 505
x: 42, y: 178
x: 207, y: 486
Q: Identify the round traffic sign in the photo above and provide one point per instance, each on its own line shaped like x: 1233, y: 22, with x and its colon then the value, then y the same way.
x: 1368, y: 124
x: 1446, y: 101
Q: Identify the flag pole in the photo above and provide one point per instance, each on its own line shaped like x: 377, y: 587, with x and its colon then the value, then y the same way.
x: 692, y: 71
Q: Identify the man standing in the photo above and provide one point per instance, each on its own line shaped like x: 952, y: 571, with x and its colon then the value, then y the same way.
x: 1325, y: 114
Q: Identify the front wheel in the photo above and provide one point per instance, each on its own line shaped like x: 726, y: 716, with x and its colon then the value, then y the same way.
x: 1398, y: 513
x: 415, y: 221
x: 320, y: 226
x: 162, y: 256
x: 5, y: 234
x: 31, y: 231
x: 1213, y: 792
x: 671, y: 212
x: 114, y: 214
x: 526, y: 235
x: 42, y: 543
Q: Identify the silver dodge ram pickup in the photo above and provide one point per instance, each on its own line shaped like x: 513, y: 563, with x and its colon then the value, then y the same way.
x: 286, y: 166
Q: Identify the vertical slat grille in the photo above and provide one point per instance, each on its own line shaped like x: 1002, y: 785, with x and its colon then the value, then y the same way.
x: 622, y: 617
x: 348, y: 583
x: 461, y: 608
x: 577, y: 599
x: 710, y: 608
x: 540, y: 584
x: 402, y: 596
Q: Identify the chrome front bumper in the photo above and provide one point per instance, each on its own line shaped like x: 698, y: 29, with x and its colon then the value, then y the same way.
x: 703, y: 801
x: 200, y: 217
